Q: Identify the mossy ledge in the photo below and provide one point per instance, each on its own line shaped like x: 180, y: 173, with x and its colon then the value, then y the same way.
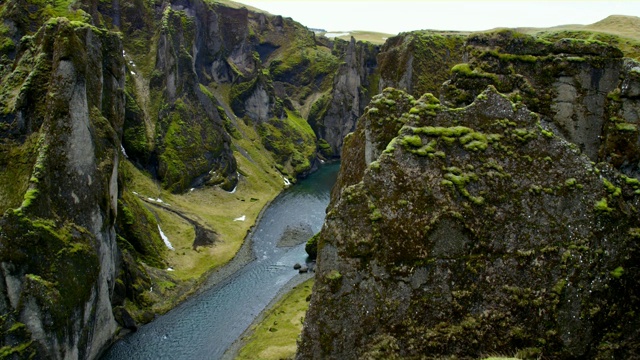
x: 492, y: 242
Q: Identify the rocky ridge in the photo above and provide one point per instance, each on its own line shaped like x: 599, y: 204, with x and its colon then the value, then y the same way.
x: 493, y: 217
x: 100, y: 97
x: 97, y: 98
x: 59, y: 255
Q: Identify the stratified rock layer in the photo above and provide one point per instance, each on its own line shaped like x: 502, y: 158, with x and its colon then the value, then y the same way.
x: 471, y: 231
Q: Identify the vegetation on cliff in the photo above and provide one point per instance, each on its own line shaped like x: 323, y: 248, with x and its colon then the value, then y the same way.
x: 469, y: 209
x: 198, y: 109
x: 133, y: 135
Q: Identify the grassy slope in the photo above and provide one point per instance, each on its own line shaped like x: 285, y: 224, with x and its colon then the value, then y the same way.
x: 622, y: 31
x: 212, y: 208
x: 275, y: 336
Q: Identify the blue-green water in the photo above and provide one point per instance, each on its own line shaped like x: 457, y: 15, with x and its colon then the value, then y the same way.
x: 204, y: 326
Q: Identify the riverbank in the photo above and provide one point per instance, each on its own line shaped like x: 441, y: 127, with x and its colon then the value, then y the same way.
x: 274, y: 308
x: 226, y: 304
x: 227, y: 218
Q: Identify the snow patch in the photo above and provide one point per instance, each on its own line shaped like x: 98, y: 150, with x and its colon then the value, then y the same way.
x: 236, y: 187
x: 170, y: 269
x: 241, y: 218
x: 158, y: 200
x: 123, y: 152
x: 336, y: 34
x: 165, y: 239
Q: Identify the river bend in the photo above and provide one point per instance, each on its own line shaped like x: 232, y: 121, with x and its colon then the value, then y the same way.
x: 204, y: 326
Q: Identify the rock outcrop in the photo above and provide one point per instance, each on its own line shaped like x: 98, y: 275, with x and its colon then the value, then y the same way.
x: 61, y: 130
x: 418, y: 62
x: 476, y: 220
x: 470, y: 231
x: 90, y: 89
x: 578, y: 87
x: 335, y: 115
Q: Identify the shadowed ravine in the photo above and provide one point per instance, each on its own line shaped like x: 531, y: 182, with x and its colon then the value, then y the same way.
x: 204, y: 326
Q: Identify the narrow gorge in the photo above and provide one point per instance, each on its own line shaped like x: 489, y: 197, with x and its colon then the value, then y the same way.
x: 487, y: 200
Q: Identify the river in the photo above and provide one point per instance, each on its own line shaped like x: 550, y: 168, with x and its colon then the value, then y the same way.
x: 204, y: 326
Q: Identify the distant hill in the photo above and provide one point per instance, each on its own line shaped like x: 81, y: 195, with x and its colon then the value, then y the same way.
x: 619, y: 30
x: 628, y: 26
x: 370, y: 36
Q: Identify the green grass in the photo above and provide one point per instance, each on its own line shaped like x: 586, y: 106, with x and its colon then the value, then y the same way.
x: 212, y: 208
x: 618, y: 30
x: 16, y: 167
x: 275, y: 336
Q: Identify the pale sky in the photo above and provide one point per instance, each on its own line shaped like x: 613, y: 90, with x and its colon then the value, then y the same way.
x: 397, y: 16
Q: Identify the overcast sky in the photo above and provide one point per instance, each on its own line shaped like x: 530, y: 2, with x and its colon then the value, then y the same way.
x: 397, y: 16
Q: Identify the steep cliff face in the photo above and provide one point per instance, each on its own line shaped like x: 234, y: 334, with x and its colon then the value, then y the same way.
x: 470, y: 231
x: 62, y: 115
x: 335, y: 114
x: 575, y: 85
x: 185, y: 91
x: 620, y: 142
x: 191, y: 144
x: 418, y: 62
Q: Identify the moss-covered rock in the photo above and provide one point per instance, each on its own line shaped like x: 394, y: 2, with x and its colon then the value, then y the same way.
x: 434, y: 246
x: 335, y: 113
x: 566, y: 81
x: 64, y: 118
x: 418, y: 62
x: 311, y: 247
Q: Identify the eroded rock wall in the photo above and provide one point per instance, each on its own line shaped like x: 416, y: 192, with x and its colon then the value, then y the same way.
x: 463, y: 232
x: 575, y: 85
x: 353, y: 86
x: 59, y: 255
x: 418, y: 62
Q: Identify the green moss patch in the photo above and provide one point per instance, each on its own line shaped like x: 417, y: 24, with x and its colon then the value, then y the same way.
x: 50, y: 255
x: 16, y: 167
x: 292, y: 142
x: 602, y: 206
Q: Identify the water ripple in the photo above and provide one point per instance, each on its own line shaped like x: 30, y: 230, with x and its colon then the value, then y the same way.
x: 204, y: 326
